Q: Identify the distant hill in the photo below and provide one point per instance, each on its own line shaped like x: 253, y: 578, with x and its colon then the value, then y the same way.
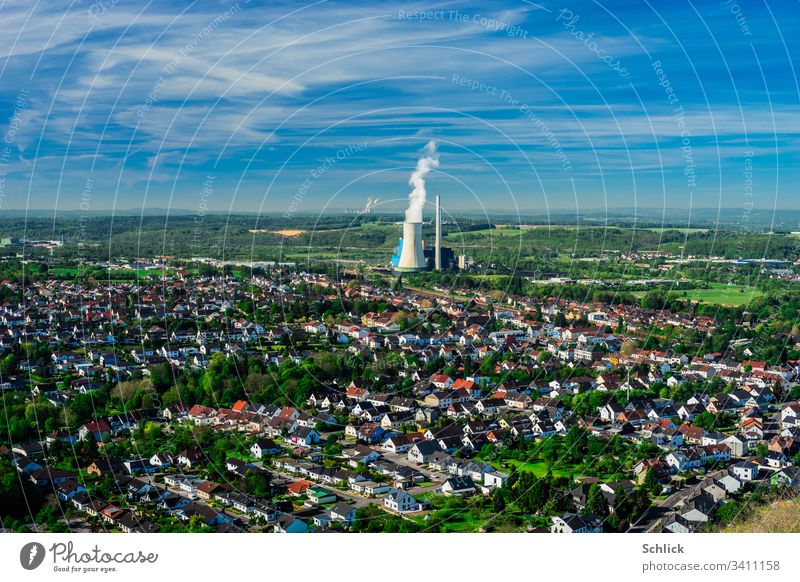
x: 763, y: 220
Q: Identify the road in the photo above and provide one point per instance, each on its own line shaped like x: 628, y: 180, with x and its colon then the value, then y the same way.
x: 238, y: 517
x: 425, y: 489
x: 402, y: 459
x: 357, y: 500
x: 650, y: 519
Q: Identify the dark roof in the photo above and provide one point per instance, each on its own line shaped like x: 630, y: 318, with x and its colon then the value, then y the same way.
x: 460, y: 483
x: 427, y: 447
x: 342, y: 508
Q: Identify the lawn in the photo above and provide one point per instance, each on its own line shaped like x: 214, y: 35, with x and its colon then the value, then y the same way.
x: 538, y: 468
x: 716, y: 294
x: 453, y: 514
x: 62, y: 272
x: 243, y: 456
x: 464, y: 522
x: 458, y: 236
x: 722, y: 294
x: 140, y: 273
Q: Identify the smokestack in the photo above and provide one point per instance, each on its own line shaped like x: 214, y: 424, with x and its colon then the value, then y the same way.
x: 412, y: 254
x: 412, y: 257
x: 438, y: 248
x: 416, y: 199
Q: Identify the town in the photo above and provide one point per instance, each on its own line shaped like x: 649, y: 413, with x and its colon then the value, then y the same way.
x: 286, y: 400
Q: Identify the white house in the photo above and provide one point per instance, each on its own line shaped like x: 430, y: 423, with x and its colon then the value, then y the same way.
x: 343, y: 512
x: 397, y: 444
x: 160, y: 460
x: 422, y: 451
x: 730, y: 483
x: 745, y: 471
x: 370, y: 488
x: 574, y: 523
x: 264, y: 447
x: 683, y: 461
x: 400, y: 501
x: 495, y: 479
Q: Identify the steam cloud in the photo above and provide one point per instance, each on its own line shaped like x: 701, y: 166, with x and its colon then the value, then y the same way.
x: 416, y: 200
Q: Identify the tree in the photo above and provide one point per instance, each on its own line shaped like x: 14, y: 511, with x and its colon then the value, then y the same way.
x: 161, y: 377
x: 487, y: 451
x: 333, y: 447
x: 536, y: 496
x: 628, y: 347
x: 728, y: 512
x: 125, y: 391
x: 498, y: 501
x: 85, y: 407
x: 651, y: 483
x: 596, y: 502
x: 551, y: 450
x: 18, y: 498
x: 257, y: 484
x: 656, y: 299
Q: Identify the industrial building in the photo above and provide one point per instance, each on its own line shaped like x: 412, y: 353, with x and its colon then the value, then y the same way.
x: 412, y: 255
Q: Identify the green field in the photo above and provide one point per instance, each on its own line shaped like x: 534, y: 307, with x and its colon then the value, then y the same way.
x: 722, y: 294
x: 486, y: 232
x: 62, y: 272
x: 140, y: 273
x: 538, y: 468
x: 717, y: 294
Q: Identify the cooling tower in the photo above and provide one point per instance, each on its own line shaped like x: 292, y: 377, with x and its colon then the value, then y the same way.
x: 412, y: 257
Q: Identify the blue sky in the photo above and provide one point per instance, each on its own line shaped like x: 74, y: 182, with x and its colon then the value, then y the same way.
x: 572, y: 105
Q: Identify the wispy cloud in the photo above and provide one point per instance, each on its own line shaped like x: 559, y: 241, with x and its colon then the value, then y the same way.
x: 179, y: 88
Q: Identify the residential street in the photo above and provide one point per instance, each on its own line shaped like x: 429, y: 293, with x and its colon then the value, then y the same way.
x: 648, y: 521
x: 357, y: 500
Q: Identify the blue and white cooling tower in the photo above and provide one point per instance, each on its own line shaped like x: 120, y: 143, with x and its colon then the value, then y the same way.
x: 412, y: 256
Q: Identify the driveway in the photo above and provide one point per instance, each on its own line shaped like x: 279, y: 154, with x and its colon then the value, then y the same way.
x: 402, y: 460
x: 357, y: 500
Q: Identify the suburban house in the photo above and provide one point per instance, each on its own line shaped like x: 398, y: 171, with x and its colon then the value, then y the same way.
x: 422, y: 451
x: 399, y: 501
x: 745, y: 471
x: 264, y: 447
x: 574, y: 523
x: 288, y: 523
x: 460, y: 486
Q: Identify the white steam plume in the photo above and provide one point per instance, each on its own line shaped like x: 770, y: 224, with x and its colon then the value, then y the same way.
x: 416, y: 200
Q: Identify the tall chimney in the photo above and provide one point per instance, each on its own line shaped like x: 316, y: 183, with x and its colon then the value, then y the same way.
x: 438, y: 246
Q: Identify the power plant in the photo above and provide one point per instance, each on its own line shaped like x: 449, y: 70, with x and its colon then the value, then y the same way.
x: 413, y: 255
